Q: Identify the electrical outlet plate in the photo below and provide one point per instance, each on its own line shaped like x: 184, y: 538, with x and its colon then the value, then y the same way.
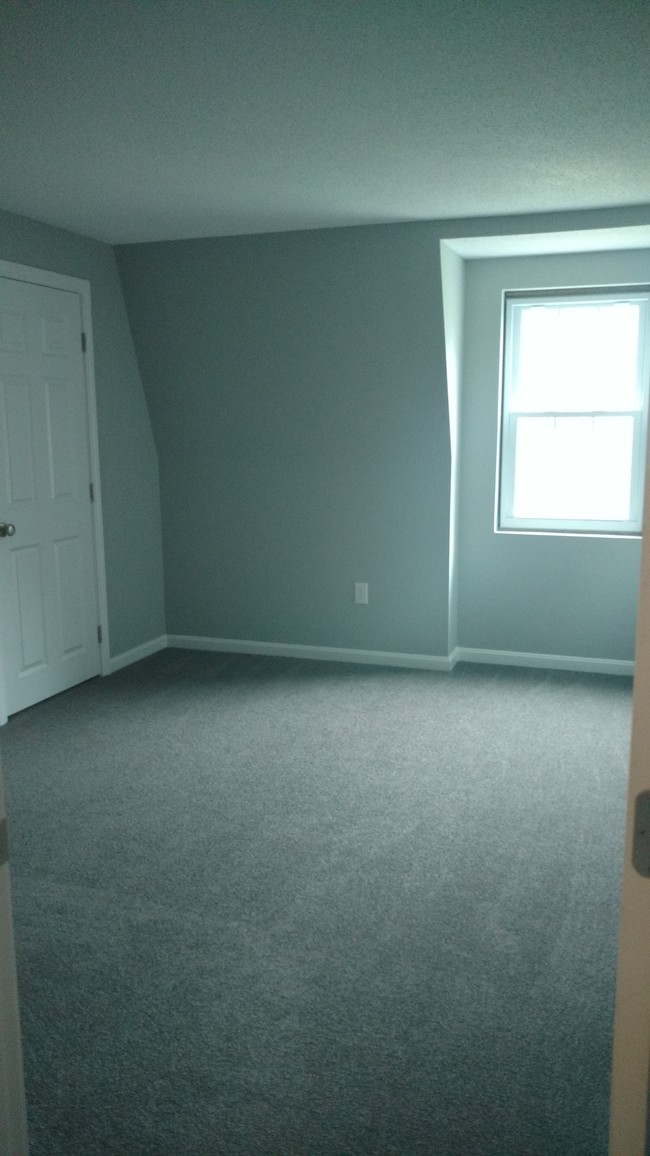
x: 361, y: 592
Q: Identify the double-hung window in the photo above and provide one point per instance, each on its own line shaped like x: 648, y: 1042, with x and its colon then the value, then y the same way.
x: 574, y: 393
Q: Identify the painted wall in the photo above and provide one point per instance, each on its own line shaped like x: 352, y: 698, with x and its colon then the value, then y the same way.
x: 297, y: 389
x: 540, y: 594
x: 128, y: 461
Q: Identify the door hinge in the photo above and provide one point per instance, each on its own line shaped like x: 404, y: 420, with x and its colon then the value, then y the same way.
x: 641, y: 836
x: 4, y: 843
x: 99, y: 633
x: 83, y: 342
x: 91, y: 487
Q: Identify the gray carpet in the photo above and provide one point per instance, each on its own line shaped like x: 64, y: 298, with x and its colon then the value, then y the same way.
x: 279, y: 908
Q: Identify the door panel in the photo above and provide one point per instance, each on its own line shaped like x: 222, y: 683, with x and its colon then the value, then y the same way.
x: 19, y: 438
x: 60, y: 429
x: 30, y: 621
x: 49, y: 611
x: 69, y: 578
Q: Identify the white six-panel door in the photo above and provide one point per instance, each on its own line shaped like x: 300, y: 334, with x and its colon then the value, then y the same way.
x: 49, y: 605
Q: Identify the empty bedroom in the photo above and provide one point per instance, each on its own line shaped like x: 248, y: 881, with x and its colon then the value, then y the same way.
x: 324, y: 365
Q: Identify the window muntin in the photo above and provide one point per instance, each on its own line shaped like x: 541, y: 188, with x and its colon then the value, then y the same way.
x: 573, y: 411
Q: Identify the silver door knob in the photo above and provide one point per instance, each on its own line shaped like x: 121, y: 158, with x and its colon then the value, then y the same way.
x: 7, y: 530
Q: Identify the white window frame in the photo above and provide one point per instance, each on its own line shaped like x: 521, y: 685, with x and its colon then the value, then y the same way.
x: 513, y: 304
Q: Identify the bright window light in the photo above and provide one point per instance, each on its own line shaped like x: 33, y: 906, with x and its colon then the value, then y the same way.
x: 573, y: 411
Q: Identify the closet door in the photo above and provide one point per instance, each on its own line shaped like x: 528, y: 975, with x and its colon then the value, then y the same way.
x: 49, y: 609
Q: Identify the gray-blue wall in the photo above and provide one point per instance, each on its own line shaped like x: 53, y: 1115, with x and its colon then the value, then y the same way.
x: 298, y: 393
x: 297, y: 389
x: 128, y: 460
x: 570, y: 595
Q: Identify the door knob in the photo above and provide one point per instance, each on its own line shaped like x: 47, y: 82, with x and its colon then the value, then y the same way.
x: 7, y: 530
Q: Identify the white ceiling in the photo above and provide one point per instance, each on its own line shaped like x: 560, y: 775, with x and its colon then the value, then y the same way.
x: 133, y: 120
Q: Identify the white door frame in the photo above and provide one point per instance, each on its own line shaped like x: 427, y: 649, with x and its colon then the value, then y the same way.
x: 75, y: 285
x: 13, y: 1123
x: 629, y: 1121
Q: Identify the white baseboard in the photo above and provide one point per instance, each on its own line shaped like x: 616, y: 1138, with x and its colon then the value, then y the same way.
x: 437, y: 662
x: 117, y: 661
x: 545, y: 661
x: 322, y: 653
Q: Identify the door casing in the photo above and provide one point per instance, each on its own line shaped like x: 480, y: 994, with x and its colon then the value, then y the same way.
x: 13, y: 1121
x: 630, y: 1089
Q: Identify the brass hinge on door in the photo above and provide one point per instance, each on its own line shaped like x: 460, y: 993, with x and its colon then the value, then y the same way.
x: 99, y: 633
x: 83, y: 342
x: 91, y: 488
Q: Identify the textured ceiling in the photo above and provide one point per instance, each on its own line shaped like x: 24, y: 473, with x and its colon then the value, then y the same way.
x: 134, y: 120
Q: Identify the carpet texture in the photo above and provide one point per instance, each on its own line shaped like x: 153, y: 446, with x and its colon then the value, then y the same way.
x: 266, y: 907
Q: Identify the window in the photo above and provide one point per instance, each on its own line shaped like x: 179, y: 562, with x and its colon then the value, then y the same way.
x: 573, y: 411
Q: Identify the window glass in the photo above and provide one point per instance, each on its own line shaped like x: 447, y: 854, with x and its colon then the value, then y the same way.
x: 577, y: 357
x: 573, y: 411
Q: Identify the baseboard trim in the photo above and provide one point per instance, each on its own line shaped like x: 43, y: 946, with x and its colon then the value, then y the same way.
x: 544, y: 661
x: 437, y: 662
x: 118, y: 661
x: 320, y: 653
